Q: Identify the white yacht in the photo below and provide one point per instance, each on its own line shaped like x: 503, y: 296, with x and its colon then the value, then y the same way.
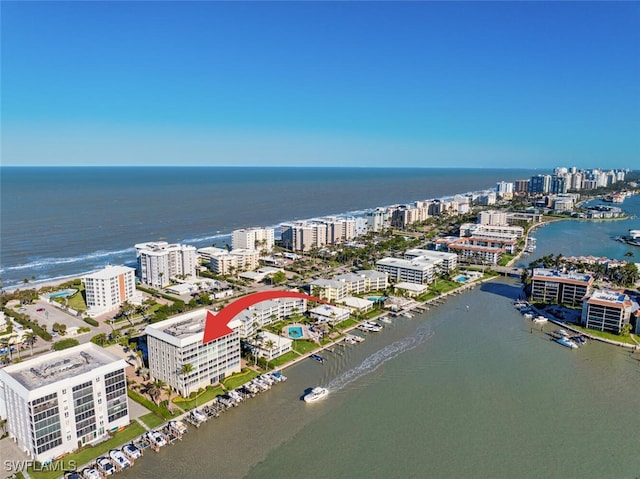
x: 316, y: 394
x: 199, y: 415
x: 540, y: 319
x: 119, y: 459
x: 567, y: 343
x: 131, y: 451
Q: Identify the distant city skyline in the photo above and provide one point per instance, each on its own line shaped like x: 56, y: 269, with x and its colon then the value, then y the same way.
x: 377, y: 84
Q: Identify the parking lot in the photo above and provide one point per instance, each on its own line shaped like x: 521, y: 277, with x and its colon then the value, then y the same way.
x: 47, y: 314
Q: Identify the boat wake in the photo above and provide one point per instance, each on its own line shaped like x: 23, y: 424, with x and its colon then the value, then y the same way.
x: 380, y: 357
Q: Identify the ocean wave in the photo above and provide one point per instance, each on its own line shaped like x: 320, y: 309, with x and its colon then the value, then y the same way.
x: 41, y: 263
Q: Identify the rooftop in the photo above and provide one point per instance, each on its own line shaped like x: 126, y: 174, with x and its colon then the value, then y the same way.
x: 109, y: 272
x: 50, y: 368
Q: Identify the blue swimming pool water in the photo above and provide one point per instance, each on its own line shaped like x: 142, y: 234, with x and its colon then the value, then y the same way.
x: 295, y: 332
x: 461, y: 279
x: 63, y: 293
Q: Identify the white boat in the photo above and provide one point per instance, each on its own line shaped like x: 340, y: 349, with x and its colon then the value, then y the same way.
x: 562, y: 332
x: 131, y: 451
x: 178, y: 426
x: 316, y: 394
x: 156, y: 438
x: 385, y: 319
x: 199, y: 415
x: 119, y: 459
x: 105, y: 465
x: 91, y: 473
x: 540, y: 320
x: 567, y: 343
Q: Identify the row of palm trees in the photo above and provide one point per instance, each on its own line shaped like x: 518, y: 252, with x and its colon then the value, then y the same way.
x: 7, y: 342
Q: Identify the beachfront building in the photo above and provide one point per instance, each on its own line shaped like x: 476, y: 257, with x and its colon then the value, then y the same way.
x: 262, y: 314
x: 175, y: 342
x: 609, y: 310
x: 410, y: 270
x: 107, y: 289
x: 159, y: 262
x: 303, y: 235
x: 329, y: 314
x: 223, y: 262
x: 552, y: 286
x: 269, y: 346
x: 378, y: 219
x: 340, y: 230
x: 66, y: 399
x: 261, y: 239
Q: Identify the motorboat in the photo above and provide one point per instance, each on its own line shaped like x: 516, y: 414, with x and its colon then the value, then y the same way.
x: 91, y: 473
x: 566, y: 342
x: 156, y: 438
x: 199, y: 415
x: 317, y: 357
x: 316, y: 394
x: 562, y: 332
x: 278, y: 376
x: 119, y: 459
x: 178, y: 426
x: 131, y: 451
x: 540, y: 320
x: 105, y: 465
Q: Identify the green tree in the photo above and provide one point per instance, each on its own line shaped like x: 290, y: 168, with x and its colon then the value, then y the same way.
x: 185, y: 371
x: 30, y: 337
x: 269, y: 345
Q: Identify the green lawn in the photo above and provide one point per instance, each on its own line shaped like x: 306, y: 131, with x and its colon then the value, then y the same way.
x: 347, y: 323
x: 285, y: 358
x: 444, y: 286
x: 90, y: 453
x: 152, y: 420
x: 140, y: 399
x: 605, y: 335
x: 77, y: 301
x: 302, y: 346
x: 206, y: 396
x: 239, y: 379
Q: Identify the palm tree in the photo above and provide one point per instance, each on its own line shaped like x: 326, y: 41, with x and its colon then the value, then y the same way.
x: 154, y: 390
x: 269, y: 346
x: 30, y: 337
x: 185, y: 370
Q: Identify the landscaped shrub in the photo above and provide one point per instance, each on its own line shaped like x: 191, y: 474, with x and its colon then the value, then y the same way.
x: 91, y: 321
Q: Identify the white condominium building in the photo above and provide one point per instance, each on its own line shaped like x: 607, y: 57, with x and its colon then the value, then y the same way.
x: 378, y: 219
x: 340, y: 230
x: 108, y: 288
x: 261, y: 239
x: 329, y: 314
x: 303, y: 236
x: 492, y: 217
x: 159, y: 262
x: 224, y: 262
x: 255, y: 317
x: 444, y: 262
x: 270, y: 346
x: 175, y: 342
x: 60, y: 401
x: 607, y: 310
x: 329, y: 289
x: 411, y: 271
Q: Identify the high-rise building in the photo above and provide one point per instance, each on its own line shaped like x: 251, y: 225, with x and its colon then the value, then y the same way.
x: 66, y: 399
x: 108, y: 288
x: 160, y: 262
x: 178, y: 341
x: 261, y: 239
x: 608, y: 310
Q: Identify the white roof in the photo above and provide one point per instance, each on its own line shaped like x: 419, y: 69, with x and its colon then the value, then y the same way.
x: 358, y: 303
x: 418, y: 288
x: 109, y: 272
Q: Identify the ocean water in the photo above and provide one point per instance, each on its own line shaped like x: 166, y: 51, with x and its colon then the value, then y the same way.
x: 67, y: 221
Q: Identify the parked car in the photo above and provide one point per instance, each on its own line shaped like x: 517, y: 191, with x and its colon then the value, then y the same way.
x: 40, y: 310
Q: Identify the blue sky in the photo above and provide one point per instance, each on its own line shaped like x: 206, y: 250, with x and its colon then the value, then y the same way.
x: 430, y: 84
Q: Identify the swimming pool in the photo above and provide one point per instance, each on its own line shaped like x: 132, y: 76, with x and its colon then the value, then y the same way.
x: 461, y: 279
x: 63, y: 293
x: 295, y: 332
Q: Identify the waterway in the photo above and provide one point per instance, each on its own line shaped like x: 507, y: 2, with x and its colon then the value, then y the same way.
x: 468, y: 389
